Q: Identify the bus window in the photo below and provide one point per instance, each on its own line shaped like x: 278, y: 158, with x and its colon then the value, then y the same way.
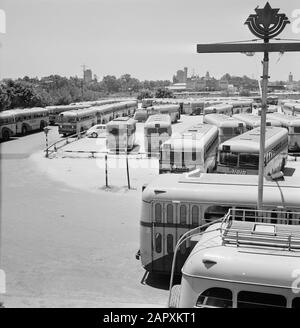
x: 182, y: 246
x: 228, y: 158
x: 249, y: 161
x: 158, y: 212
x: 227, y: 131
x: 215, y: 297
x: 296, y: 303
x: 248, y: 299
x: 195, y: 215
x: 182, y: 214
x: 214, y: 213
x: 170, y: 244
x: 169, y: 213
x: 158, y: 243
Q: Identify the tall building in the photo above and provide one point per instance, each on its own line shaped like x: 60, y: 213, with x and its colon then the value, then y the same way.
x: 181, y: 76
x: 290, y: 77
x: 87, y: 75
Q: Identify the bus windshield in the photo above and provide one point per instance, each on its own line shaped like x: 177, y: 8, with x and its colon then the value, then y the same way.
x: 157, y: 130
x: 227, y: 158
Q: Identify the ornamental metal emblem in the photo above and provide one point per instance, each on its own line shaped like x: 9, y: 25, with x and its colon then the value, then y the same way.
x: 267, y: 23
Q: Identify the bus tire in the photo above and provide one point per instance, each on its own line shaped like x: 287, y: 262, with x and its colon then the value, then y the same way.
x: 5, y: 135
x: 94, y: 135
x: 24, y: 130
x: 175, y: 296
x: 282, y: 164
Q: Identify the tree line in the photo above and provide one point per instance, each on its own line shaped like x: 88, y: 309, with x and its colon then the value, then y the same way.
x: 58, y: 90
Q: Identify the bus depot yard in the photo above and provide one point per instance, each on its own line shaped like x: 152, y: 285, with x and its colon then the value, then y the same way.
x: 68, y: 240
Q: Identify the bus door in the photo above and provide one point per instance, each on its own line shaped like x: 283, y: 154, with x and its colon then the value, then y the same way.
x: 162, y: 236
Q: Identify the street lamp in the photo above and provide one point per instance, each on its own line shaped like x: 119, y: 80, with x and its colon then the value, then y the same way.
x: 46, y: 131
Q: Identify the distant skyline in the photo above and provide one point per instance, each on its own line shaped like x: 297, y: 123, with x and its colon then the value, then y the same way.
x: 149, y: 39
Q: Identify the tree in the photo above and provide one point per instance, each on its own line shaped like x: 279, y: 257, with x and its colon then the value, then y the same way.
x: 145, y: 94
x: 163, y: 93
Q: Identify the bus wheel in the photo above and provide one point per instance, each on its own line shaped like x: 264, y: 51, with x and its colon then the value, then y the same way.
x: 24, y: 130
x: 175, y: 296
x: 5, y: 135
x: 282, y: 164
x: 94, y: 135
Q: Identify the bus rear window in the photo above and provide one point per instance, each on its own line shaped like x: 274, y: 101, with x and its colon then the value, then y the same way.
x: 227, y: 131
x: 228, y: 158
x: 249, y: 161
x: 248, y: 299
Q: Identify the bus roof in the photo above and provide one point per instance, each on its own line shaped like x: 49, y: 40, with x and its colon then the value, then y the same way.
x: 249, y: 141
x: 254, y: 120
x: 121, y: 121
x: 286, y: 120
x: 222, y: 120
x: 223, y: 190
x: 219, y: 106
x: 79, y: 112
x: 163, y: 119
x: 252, y: 265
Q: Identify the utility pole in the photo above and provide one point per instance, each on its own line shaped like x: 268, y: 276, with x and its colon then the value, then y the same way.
x: 83, y: 70
x: 265, y: 24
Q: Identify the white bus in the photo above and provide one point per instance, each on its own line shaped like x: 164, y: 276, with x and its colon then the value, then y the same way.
x: 291, y: 108
x: 195, y: 148
x: 228, y: 126
x: 253, y: 121
x: 192, y: 107
x: 218, y: 109
x: 292, y: 124
x: 7, y: 125
x: 241, y: 264
x: 240, y: 155
x: 157, y: 129
x: 173, y: 204
x: 76, y: 121
x: 31, y: 119
x: 120, y: 134
x: 108, y: 112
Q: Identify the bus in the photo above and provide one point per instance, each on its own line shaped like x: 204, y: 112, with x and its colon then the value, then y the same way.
x: 108, y: 112
x: 265, y: 256
x: 7, y: 125
x: 172, y: 110
x: 228, y: 126
x: 241, y: 106
x: 196, y: 147
x: 292, y: 124
x: 31, y: 119
x: 173, y: 204
x: 147, y: 102
x: 157, y: 129
x: 192, y: 107
x: 120, y: 134
x: 253, y: 121
x: 54, y: 111
x: 75, y: 121
x: 240, y: 155
x: 291, y: 108
x: 218, y: 109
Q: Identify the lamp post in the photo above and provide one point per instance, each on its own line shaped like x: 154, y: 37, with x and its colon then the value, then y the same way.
x: 266, y: 24
x: 46, y: 131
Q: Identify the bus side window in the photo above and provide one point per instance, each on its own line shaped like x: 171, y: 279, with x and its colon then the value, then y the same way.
x: 170, y: 243
x: 183, y: 214
x: 158, y: 243
x: 170, y: 213
x: 215, y: 297
x: 247, y: 299
x: 158, y: 212
x: 195, y: 215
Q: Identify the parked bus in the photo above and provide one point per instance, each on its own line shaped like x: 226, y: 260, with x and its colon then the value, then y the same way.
x: 157, y: 129
x: 240, y: 155
x: 147, y: 102
x: 173, y: 204
x: 31, y: 119
x: 228, y: 126
x: 292, y: 124
x: 7, y: 125
x: 192, y: 107
x: 291, y: 108
x: 241, y: 106
x: 120, y: 134
x: 108, y: 112
x: 265, y: 256
x: 54, y: 111
x: 196, y: 147
x: 253, y: 121
x: 218, y: 109
x: 172, y: 110
x: 75, y: 121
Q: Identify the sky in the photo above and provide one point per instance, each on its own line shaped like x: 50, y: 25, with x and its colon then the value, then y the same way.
x: 149, y: 39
